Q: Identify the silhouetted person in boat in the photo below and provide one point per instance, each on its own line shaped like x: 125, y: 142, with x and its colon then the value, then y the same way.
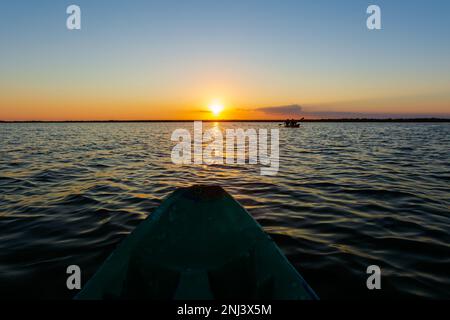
x: 292, y: 122
x: 289, y: 123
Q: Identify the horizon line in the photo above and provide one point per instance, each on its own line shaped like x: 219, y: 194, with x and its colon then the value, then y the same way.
x: 421, y: 119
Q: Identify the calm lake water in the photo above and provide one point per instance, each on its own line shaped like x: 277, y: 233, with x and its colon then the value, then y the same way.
x: 347, y: 195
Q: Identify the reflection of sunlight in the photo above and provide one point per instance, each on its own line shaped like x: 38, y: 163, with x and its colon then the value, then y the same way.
x: 215, y: 128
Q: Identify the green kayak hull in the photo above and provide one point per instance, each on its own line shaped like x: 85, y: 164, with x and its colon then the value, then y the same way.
x: 199, y: 244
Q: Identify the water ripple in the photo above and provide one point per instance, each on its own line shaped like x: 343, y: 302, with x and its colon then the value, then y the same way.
x: 347, y: 195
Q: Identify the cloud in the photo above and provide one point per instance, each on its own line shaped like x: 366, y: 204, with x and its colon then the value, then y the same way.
x: 367, y: 115
x: 341, y: 114
x: 281, y: 110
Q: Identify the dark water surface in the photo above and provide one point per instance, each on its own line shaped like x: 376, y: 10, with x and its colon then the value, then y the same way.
x: 347, y: 195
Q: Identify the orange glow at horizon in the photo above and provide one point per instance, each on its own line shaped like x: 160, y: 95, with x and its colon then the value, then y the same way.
x: 189, y: 105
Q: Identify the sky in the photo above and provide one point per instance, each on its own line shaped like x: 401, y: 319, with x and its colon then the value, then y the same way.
x: 260, y: 59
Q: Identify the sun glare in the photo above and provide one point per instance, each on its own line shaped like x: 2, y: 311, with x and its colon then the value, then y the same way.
x: 216, y: 108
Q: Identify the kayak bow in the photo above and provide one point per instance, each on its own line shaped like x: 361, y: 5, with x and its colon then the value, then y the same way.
x: 199, y: 243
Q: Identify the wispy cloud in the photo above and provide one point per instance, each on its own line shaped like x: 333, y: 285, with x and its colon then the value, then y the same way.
x: 281, y: 110
x: 361, y: 115
x: 328, y: 110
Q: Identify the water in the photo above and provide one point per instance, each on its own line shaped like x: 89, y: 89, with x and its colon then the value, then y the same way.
x: 347, y: 195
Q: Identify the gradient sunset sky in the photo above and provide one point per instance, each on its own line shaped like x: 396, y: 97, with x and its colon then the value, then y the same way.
x: 263, y: 59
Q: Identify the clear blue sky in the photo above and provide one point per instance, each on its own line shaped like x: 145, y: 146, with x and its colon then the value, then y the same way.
x: 132, y: 58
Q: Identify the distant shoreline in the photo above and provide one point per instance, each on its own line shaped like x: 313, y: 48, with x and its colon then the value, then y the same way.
x: 279, y: 121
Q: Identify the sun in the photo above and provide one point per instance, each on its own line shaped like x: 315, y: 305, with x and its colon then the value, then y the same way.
x: 216, y: 107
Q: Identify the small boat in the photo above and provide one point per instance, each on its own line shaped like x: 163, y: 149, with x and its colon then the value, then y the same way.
x: 292, y: 123
x: 199, y: 244
x: 297, y: 125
